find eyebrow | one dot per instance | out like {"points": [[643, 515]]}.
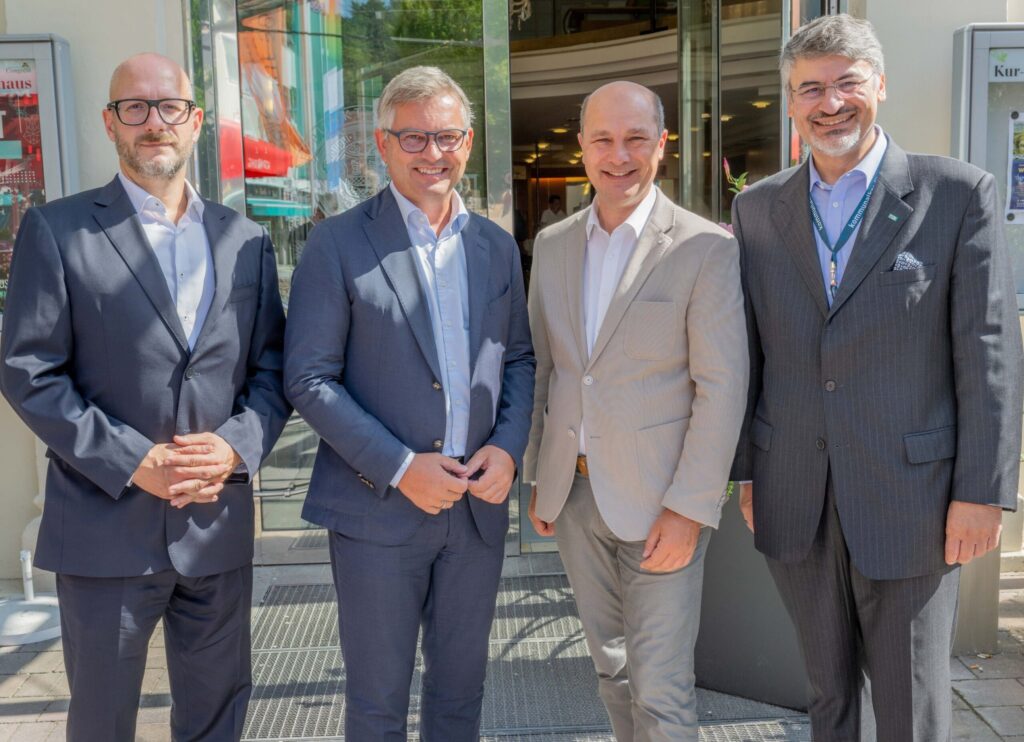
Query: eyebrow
{"points": [[813, 83], [629, 132]]}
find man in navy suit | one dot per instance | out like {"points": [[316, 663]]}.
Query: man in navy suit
{"points": [[408, 351], [142, 343]]}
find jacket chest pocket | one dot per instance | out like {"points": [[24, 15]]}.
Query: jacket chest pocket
{"points": [[651, 330]]}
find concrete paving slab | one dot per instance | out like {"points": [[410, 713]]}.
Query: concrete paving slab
{"points": [[958, 669], [22, 711], [1002, 665], [969, 727], [38, 732], [999, 692], [9, 684], [47, 685], [1005, 720]]}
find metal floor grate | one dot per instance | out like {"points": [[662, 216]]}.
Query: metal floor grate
{"points": [[540, 683], [311, 539]]}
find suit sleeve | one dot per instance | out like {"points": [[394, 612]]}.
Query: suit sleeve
{"points": [[987, 357], [715, 328], [512, 427], [261, 410], [743, 463], [316, 337], [542, 351], [37, 349]]}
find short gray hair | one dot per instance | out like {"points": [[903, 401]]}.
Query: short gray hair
{"points": [[659, 109], [833, 35], [418, 84]]}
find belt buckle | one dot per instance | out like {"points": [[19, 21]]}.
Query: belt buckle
{"points": [[581, 466]]}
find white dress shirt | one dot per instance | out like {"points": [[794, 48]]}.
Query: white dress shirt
{"points": [[183, 251], [603, 265], [441, 264]]}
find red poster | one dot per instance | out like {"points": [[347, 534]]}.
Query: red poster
{"points": [[21, 156]]}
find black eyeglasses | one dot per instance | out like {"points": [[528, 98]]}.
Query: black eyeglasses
{"points": [[416, 140], [135, 111]]}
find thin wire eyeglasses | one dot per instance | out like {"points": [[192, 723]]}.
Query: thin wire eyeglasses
{"points": [[843, 88], [135, 111], [414, 141]]}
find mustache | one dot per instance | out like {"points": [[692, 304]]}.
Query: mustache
{"points": [[154, 139], [841, 112]]}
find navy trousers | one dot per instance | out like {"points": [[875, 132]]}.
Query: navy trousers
{"points": [[446, 580], [107, 623]]}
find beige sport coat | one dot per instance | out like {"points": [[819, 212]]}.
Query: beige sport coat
{"points": [[664, 390]]}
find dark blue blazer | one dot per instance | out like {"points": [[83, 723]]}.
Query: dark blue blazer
{"points": [[94, 360], [362, 369]]}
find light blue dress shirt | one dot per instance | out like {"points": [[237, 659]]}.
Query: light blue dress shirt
{"points": [[836, 204], [444, 280]]}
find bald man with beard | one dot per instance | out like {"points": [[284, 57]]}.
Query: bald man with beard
{"points": [[142, 343]]}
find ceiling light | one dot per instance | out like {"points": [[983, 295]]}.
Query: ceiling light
{"points": [[558, 130], [574, 161], [578, 153], [760, 104], [676, 155], [707, 154], [543, 145], [705, 115], [673, 137], [727, 117]]}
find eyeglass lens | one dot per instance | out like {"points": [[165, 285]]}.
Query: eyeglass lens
{"points": [[135, 111], [412, 141]]}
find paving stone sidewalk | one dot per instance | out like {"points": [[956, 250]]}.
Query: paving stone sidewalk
{"points": [[988, 692]]}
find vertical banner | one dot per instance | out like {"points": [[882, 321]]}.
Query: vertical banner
{"points": [[21, 156], [1015, 169]]}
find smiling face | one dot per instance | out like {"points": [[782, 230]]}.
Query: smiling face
{"points": [[152, 150], [622, 148], [426, 178], [835, 127]]}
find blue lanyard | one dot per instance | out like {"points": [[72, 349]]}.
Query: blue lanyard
{"points": [[844, 236]]}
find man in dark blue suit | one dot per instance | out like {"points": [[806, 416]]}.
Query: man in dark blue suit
{"points": [[142, 343], [408, 350]]}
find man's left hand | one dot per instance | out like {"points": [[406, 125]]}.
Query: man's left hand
{"points": [[498, 472], [202, 459], [671, 543], [972, 530]]}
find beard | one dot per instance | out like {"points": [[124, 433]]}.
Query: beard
{"points": [[837, 145], [163, 168]]}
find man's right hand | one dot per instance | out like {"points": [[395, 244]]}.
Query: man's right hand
{"points": [[542, 527], [747, 504], [434, 482], [156, 476]]}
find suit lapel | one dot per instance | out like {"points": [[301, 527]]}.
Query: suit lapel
{"points": [[389, 239], [574, 253], [648, 251], [886, 214], [224, 258], [792, 217], [478, 267], [121, 224]]}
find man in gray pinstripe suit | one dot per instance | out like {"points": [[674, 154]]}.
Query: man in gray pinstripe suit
{"points": [[883, 425]]}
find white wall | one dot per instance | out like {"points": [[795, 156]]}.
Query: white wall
{"points": [[917, 37]]}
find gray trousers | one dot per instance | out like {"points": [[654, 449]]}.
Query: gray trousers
{"points": [[107, 623], [640, 626], [897, 633]]}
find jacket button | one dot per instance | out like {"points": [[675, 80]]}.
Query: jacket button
{"points": [[190, 372], [830, 386], [572, 434], [820, 443], [438, 445], [588, 380], [437, 386]]}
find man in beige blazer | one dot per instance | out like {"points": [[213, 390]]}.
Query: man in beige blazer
{"points": [[638, 328]]}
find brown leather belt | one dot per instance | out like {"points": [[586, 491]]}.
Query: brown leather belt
{"points": [[581, 466]]}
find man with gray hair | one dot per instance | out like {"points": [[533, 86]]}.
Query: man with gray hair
{"points": [[408, 351], [883, 424]]}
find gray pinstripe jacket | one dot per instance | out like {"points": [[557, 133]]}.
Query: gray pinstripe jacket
{"points": [[908, 388]]}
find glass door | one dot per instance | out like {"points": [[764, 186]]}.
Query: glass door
{"points": [[290, 88]]}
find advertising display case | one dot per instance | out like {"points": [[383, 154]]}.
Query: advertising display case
{"points": [[38, 161]]}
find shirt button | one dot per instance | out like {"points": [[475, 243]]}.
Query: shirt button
{"points": [[588, 380], [835, 204], [437, 386], [820, 443], [438, 444], [830, 386]]}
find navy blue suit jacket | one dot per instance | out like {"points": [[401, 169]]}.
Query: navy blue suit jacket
{"points": [[362, 369]]}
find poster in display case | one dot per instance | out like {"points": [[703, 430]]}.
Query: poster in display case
{"points": [[37, 145]]}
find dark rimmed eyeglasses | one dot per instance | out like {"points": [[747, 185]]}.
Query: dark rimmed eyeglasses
{"points": [[416, 140], [135, 111], [843, 88]]}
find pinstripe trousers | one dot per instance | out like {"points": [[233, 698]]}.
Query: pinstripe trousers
{"points": [[897, 634]]}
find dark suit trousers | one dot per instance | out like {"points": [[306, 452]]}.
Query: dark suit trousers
{"points": [[107, 623], [445, 578], [897, 633]]}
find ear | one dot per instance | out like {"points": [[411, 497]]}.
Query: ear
{"points": [[109, 117], [881, 87], [379, 135], [197, 123]]}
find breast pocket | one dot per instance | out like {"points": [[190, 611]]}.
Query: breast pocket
{"points": [[651, 330], [913, 275]]}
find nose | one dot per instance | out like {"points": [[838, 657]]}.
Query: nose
{"points": [[832, 101], [153, 120]]}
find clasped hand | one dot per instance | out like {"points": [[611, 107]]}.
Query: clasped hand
{"points": [[434, 482], [192, 468]]}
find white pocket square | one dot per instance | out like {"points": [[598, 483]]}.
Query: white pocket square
{"points": [[905, 261]]}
